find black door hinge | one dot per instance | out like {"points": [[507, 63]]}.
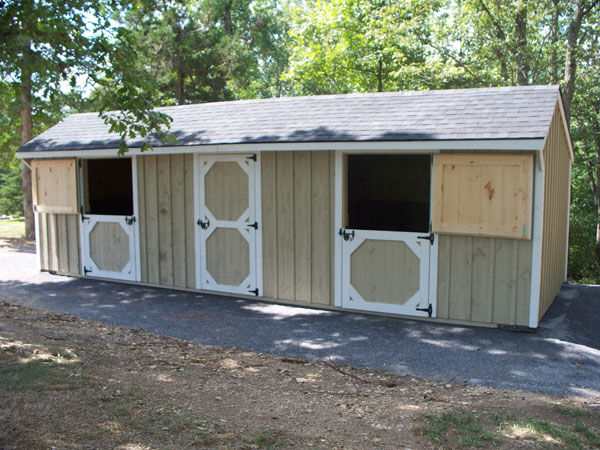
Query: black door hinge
{"points": [[254, 291], [86, 270], [253, 225], [252, 157], [347, 235], [428, 310], [430, 237]]}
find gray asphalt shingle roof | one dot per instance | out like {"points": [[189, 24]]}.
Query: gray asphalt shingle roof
{"points": [[522, 112]]}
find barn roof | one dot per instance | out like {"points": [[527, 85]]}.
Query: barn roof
{"points": [[522, 112]]}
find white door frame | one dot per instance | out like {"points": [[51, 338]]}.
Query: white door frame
{"points": [[338, 239], [255, 193], [134, 236]]}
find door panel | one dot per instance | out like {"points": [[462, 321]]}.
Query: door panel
{"points": [[108, 246], [227, 224], [385, 271]]}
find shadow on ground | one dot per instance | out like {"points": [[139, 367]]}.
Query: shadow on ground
{"points": [[561, 358]]}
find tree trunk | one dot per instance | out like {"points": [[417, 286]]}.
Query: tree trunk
{"points": [[380, 75], [571, 60], [26, 135], [180, 81], [227, 22], [521, 50]]}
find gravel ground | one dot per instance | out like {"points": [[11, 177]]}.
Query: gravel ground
{"points": [[561, 358]]}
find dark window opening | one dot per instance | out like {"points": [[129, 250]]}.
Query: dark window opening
{"points": [[389, 192], [108, 187]]}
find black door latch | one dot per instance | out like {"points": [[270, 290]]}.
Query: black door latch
{"points": [[430, 237], [428, 310], [130, 220], [203, 225]]}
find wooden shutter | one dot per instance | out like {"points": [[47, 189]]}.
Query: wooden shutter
{"points": [[54, 185], [483, 194]]}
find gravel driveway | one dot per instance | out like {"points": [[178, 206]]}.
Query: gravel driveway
{"points": [[561, 358]]}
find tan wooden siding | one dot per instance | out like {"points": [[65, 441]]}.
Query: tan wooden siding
{"points": [[484, 279], [166, 217], [297, 212], [483, 195], [59, 243], [556, 210], [54, 185]]}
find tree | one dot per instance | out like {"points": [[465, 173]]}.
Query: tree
{"points": [[359, 46], [44, 44]]}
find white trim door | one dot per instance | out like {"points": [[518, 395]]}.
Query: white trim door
{"points": [[109, 246], [387, 272], [227, 224]]}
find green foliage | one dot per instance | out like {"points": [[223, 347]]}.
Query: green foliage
{"points": [[11, 191], [345, 46], [452, 430]]}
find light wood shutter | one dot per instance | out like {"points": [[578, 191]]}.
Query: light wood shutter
{"points": [[483, 195], [54, 185]]}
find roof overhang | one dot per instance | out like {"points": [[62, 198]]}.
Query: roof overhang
{"points": [[354, 146]]}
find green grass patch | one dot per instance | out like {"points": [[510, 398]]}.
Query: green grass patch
{"points": [[11, 229], [453, 430], [35, 376], [571, 412], [265, 439], [450, 429]]}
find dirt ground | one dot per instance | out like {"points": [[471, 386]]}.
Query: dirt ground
{"points": [[71, 383]]}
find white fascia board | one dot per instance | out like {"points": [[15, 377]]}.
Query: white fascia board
{"points": [[362, 146]]}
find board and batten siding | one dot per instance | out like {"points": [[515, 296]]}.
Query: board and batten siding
{"points": [[297, 212], [58, 244], [556, 210], [483, 279], [166, 219]]}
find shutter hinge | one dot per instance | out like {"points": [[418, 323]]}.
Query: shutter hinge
{"points": [[252, 157], [254, 291], [430, 237], [86, 270], [130, 220], [253, 225]]}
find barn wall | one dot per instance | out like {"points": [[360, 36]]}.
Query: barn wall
{"points": [[58, 244], [297, 211], [556, 210], [484, 279], [166, 219]]}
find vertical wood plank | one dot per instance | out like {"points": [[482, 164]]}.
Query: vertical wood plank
{"points": [[190, 242], [269, 223], [332, 230], [320, 232], [302, 226], [74, 243], [481, 308], [460, 282], [178, 219], [151, 195], [444, 269], [43, 224], [285, 226], [165, 237], [142, 219], [63, 243], [53, 236], [523, 283], [503, 282]]}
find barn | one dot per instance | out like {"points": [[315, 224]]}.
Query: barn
{"points": [[448, 205]]}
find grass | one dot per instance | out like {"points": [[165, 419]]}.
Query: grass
{"points": [[35, 376], [12, 228], [450, 429], [453, 430]]}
